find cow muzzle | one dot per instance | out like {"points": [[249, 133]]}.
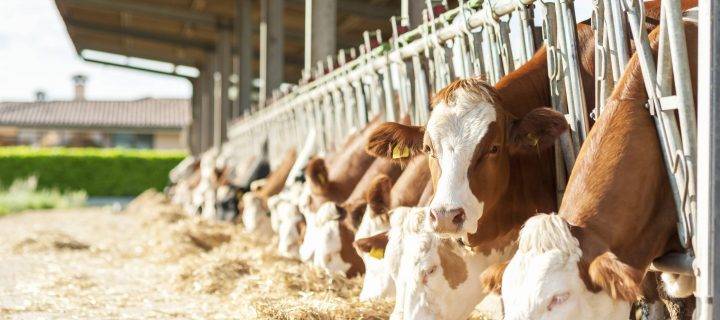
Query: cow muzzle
{"points": [[444, 220]]}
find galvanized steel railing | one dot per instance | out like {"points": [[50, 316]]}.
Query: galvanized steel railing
{"points": [[396, 78]]}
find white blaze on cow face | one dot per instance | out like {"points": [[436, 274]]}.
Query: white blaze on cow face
{"points": [[453, 133], [328, 243], [378, 282], [307, 248], [542, 280], [289, 228], [255, 216]]}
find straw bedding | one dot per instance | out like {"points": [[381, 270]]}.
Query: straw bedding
{"points": [[153, 262], [216, 258]]}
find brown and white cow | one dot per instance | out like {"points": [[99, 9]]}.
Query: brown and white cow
{"points": [[335, 237], [490, 148], [381, 197], [617, 216], [436, 278], [333, 184], [256, 214]]}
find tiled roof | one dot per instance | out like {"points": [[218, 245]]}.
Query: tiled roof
{"points": [[137, 114]]}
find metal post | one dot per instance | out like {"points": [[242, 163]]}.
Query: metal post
{"points": [[243, 20], [194, 133], [707, 262], [320, 30], [206, 86], [271, 47], [224, 66]]}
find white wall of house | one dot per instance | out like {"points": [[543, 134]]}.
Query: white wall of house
{"points": [[168, 140]]}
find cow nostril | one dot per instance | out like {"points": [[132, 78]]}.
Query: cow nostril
{"points": [[459, 217], [433, 216]]}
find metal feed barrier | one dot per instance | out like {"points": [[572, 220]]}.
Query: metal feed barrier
{"points": [[396, 78]]}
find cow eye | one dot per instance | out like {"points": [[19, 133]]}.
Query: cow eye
{"points": [[557, 300], [429, 151], [494, 149]]}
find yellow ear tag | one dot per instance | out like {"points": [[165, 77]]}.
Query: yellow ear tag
{"points": [[377, 253], [400, 152], [534, 139]]}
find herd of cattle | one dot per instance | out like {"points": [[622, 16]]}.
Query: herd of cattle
{"points": [[439, 216]]}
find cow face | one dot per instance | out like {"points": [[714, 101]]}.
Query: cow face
{"points": [[435, 277], [291, 229], [470, 141], [255, 215], [371, 240], [328, 244], [543, 280]]}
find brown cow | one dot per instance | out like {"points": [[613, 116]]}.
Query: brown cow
{"points": [[617, 216]]}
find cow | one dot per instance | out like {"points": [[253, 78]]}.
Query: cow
{"points": [[617, 216], [287, 221], [381, 197], [332, 184], [490, 149], [436, 278], [256, 214], [334, 237]]}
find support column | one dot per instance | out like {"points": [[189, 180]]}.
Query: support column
{"points": [[243, 68], [271, 47], [413, 10], [707, 258], [222, 81], [320, 31], [207, 97], [194, 132]]}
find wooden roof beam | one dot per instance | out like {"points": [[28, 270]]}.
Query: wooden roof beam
{"points": [[173, 13]]}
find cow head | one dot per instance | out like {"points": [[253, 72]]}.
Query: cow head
{"points": [[319, 185], [256, 214], [548, 278], [435, 277], [371, 239], [333, 242], [291, 230], [470, 141]]}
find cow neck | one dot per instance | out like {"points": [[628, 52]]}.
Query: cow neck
{"points": [[527, 87], [531, 190], [348, 252], [631, 215]]}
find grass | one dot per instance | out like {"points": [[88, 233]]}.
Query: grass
{"points": [[23, 195]]}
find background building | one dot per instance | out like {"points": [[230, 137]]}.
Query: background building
{"points": [[139, 124]]}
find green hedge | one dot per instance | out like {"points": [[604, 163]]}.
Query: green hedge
{"points": [[100, 172]]}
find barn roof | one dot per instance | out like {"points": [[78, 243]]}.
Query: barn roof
{"points": [[183, 32], [143, 114]]}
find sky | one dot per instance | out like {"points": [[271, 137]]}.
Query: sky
{"points": [[36, 54]]}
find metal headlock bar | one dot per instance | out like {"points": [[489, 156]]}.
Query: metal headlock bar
{"points": [[394, 79]]}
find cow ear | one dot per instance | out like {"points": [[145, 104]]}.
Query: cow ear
{"points": [[620, 280], [395, 141], [317, 173], [537, 130], [376, 243], [491, 278], [378, 195]]}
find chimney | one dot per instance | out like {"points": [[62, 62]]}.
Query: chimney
{"points": [[40, 96], [79, 81]]}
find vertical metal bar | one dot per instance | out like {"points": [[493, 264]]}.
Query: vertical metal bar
{"points": [[243, 22], [707, 260], [271, 47]]}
